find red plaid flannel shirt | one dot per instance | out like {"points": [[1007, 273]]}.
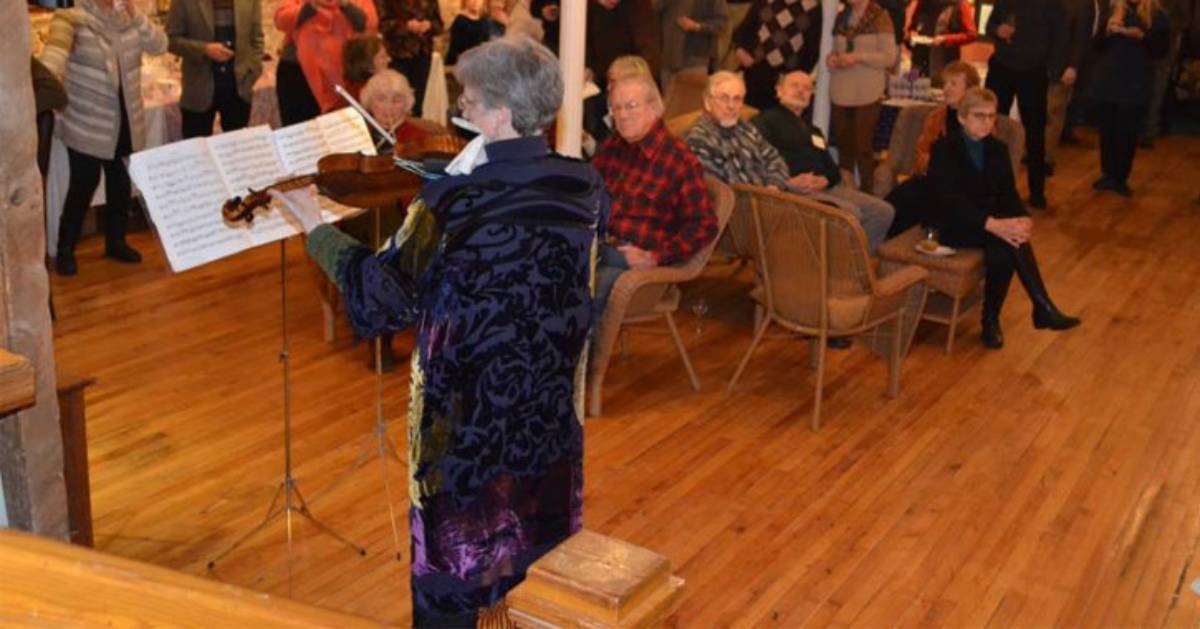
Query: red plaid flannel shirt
{"points": [[659, 201]]}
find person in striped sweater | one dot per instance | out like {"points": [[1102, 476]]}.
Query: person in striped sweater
{"points": [[96, 49]]}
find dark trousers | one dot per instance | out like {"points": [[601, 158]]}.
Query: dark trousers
{"points": [[1030, 87], [1119, 126], [235, 112], [999, 263], [853, 131], [296, 100], [45, 132], [913, 199], [594, 110], [85, 177], [416, 70]]}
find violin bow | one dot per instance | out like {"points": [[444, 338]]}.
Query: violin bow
{"points": [[362, 111]]}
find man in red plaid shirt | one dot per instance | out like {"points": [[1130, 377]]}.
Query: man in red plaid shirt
{"points": [[661, 213]]}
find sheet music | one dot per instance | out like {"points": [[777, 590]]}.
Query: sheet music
{"points": [[247, 158], [184, 191], [300, 146], [345, 131], [332, 212], [186, 183]]}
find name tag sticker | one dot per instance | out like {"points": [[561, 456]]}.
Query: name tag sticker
{"points": [[818, 141]]}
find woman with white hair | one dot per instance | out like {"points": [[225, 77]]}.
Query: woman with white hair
{"points": [[389, 98], [493, 266]]}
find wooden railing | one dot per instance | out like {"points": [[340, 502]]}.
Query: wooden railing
{"points": [[47, 583]]}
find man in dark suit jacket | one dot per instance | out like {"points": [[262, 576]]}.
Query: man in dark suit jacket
{"points": [[1031, 50], [978, 206], [221, 44]]}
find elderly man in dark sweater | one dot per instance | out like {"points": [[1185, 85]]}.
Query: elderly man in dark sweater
{"points": [[813, 171], [1031, 50]]}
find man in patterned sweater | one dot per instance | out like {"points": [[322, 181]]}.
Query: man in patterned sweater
{"points": [[737, 151], [661, 213]]}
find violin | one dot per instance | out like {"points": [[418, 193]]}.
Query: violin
{"points": [[354, 179]]}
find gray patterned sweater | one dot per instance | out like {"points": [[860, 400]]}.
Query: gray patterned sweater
{"points": [[739, 154]]}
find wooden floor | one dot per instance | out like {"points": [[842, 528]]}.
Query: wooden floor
{"points": [[1053, 483]]}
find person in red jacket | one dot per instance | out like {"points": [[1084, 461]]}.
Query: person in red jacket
{"points": [[937, 31]]}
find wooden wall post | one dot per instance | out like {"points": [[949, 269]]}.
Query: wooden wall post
{"points": [[30, 441]]}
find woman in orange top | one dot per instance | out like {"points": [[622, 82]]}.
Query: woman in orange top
{"points": [[311, 62]]}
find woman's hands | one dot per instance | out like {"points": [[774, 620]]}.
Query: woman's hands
{"points": [[744, 58], [418, 27], [688, 25], [1015, 231], [837, 60], [302, 205], [1117, 27]]}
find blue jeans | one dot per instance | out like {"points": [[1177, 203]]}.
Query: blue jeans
{"points": [[610, 264]]}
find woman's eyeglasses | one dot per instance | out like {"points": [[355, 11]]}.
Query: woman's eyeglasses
{"points": [[465, 103]]}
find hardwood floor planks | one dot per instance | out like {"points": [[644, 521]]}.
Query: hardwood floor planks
{"points": [[998, 489]]}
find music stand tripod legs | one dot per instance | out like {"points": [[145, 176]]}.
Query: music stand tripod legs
{"points": [[287, 498]]}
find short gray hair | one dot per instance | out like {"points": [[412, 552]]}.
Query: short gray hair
{"points": [[386, 82], [722, 77], [976, 97], [649, 89], [518, 73]]}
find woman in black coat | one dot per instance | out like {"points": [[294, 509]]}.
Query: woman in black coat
{"points": [[1136, 33], [978, 206]]}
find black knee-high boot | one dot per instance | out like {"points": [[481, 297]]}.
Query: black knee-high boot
{"points": [[998, 272], [1045, 314]]}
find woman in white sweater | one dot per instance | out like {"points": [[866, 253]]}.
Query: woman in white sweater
{"points": [[864, 49], [96, 49]]}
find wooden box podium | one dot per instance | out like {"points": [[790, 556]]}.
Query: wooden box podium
{"points": [[595, 581]]}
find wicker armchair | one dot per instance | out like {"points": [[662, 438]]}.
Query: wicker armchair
{"points": [[902, 147], [955, 279], [816, 279], [643, 295]]}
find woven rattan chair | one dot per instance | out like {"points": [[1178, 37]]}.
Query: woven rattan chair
{"points": [[642, 295], [956, 280], [815, 278], [901, 155]]}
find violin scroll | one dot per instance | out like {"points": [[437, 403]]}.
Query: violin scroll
{"points": [[242, 209]]}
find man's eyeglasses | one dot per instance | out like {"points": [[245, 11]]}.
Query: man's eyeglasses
{"points": [[729, 99], [628, 107], [982, 115]]}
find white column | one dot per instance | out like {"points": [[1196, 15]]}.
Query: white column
{"points": [[821, 104], [572, 36]]}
